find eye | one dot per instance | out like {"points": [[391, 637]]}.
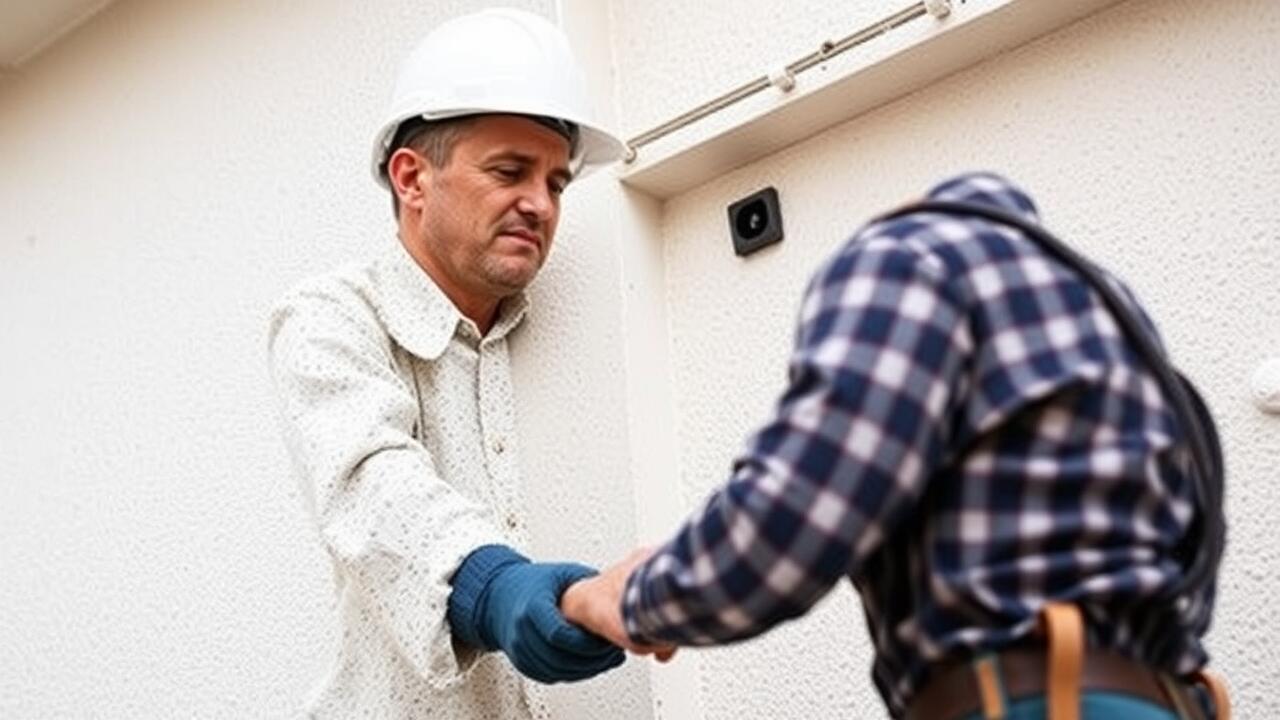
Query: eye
{"points": [[509, 173]]}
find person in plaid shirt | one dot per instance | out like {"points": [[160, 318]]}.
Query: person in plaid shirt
{"points": [[965, 436]]}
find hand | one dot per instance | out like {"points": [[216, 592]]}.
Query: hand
{"points": [[596, 604], [501, 601], [526, 623]]}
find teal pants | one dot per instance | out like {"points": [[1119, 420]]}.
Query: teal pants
{"points": [[1093, 706]]}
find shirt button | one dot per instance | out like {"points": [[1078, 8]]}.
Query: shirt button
{"points": [[497, 445]]}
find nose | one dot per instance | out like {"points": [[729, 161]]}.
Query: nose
{"points": [[537, 202]]}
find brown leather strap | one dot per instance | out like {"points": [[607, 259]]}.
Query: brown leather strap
{"points": [[1180, 701], [1217, 692], [1064, 629], [953, 690], [987, 673]]}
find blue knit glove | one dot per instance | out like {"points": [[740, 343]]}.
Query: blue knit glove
{"points": [[501, 601]]}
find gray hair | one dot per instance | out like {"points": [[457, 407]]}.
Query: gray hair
{"points": [[432, 139]]}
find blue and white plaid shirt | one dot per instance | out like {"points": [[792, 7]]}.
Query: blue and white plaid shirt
{"points": [[965, 435]]}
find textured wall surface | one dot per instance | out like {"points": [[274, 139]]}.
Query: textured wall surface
{"points": [[568, 373], [167, 172], [673, 55], [170, 168], [1148, 135]]}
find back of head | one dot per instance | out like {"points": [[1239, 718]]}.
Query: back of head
{"points": [[495, 61]]}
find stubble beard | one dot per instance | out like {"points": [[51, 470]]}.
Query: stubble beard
{"points": [[509, 274]]}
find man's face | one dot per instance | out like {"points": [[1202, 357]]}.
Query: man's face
{"points": [[490, 213]]}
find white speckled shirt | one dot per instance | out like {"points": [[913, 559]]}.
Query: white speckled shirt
{"points": [[400, 422]]}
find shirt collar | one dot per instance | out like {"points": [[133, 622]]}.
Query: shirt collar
{"points": [[420, 317], [984, 188]]}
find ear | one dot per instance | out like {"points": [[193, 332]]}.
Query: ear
{"points": [[404, 170]]}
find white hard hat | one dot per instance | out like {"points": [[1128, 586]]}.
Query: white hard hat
{"points": [[498, 60]]}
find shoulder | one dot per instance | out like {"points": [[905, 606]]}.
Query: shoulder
{"points": [[335, 304], [877, 267]]}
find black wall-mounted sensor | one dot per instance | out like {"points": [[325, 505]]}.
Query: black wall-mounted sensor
{"points": [[755, 221]]}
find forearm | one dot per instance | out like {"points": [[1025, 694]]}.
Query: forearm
{"points": [[398, 536], [837, 469], [748, 561], [395, 529]]}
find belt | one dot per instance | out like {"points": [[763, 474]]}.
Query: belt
{"points": [[953, 691]]}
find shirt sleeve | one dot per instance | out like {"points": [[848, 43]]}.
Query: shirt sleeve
{"points": [[879, 349], [394, 529]]}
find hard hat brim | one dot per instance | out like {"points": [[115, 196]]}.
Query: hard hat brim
{"points": [[597, 146]]}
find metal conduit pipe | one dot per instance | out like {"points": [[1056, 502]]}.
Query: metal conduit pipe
{"points": [[784, 78]]}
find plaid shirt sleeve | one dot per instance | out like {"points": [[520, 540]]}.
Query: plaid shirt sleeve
{"points": [[879, 350]]}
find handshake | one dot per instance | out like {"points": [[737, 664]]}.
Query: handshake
{"points": [[556, 622], [595, 603]]}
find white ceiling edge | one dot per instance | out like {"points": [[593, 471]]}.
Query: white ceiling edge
{"points": [[28, 27], [886, 68]]}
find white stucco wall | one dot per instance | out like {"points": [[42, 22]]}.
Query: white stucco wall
{"points": [[673, 55], [171, 167], [1147, 133], [165, 173]]}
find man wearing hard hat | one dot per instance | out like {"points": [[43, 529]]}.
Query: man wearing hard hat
{"points": [[393, 379]]}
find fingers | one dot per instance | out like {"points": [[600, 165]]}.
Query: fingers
{"points": [[574, 639], [566, 574], [661, 653], [595, 604], [538, 660], [593, 601], [557, 651], [589, 638], [575, 602], [561, 666], [551, 626]]}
